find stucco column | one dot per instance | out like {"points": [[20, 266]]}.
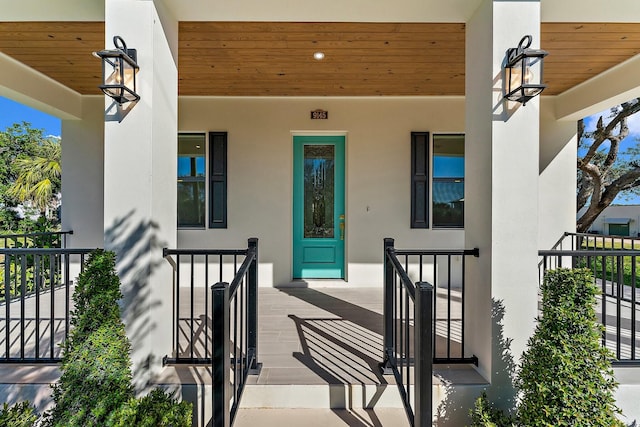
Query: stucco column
{"points": [[140, 180], [501, 195], [83, 175], [558, 174]]}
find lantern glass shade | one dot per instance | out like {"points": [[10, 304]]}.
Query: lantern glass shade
{"points": [[523, 72], [119, 75]]}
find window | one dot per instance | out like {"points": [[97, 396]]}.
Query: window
{"points": [[192, 180], [447, 180], [447, 185]]}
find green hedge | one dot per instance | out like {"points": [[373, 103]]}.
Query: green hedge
{"points": [[95, 388], [156, 409], [565, 377], [96, 372], [19, 415]]}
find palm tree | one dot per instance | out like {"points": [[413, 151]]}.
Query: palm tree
{"points": [[38, 179]]}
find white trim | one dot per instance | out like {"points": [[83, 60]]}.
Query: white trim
{"points": [[30, 87], [618, 84]]}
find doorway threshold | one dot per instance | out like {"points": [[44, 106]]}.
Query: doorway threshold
{"points": [[314, 283]]}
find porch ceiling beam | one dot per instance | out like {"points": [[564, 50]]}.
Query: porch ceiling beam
{"points": [[30, 87], [45, 10], [589, 11], [618, 84]]}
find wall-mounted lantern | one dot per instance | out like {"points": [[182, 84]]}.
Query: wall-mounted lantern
{"points": [[523, 71], [119, 69]]}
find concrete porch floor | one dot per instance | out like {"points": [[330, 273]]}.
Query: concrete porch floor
{"points": [[320, 349], [327, 336]]}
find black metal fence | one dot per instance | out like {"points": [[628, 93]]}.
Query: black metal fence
{"points": [[235, 337], [36, 290], [55, 239], [218, 329], [589, 241], [615, 271], [423, 323], [194, 270]]}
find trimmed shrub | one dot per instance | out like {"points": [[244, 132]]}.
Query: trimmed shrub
{"points": [[566, 377], [96, 372], [95, 389], [156, 409], [96, 296], [19, 415], [485, 415]]}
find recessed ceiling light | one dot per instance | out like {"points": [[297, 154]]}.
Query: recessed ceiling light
{"points": [[198, 147], [318, 56]]}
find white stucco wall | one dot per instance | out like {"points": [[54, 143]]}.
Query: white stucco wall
{"points": [[378, 167], [83, 175], [557, 185]]}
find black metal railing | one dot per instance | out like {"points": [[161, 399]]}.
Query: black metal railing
{"points": [[445, 269], [615, 271], [36, 299], [193, 271], [54, 239], [235, 337], [590, 241], [422, 322]]}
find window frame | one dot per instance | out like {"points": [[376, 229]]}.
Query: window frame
{"points": [[433, 179], [422, 180], [215, 179], [202, 179]]}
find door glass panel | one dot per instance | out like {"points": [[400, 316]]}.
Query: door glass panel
{"points": [[319, 163]]}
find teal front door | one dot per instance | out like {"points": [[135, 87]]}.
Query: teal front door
{"points": [[318, 207]]}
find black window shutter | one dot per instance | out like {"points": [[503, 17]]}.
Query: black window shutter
{"points": [[218, 180], [419, 179]]}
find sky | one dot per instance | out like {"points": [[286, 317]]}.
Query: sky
{"points": [[13, 112]]}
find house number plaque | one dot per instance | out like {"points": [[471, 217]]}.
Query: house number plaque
{"points": [[319, 115]]}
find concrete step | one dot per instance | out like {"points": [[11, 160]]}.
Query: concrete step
{"points": [[387, 417], [327, 396]]}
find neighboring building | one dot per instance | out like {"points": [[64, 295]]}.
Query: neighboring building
{"points": [[617, 220], [419, 144]]}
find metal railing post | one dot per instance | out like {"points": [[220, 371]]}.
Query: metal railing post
{"points": [[221, 363], [423, 339], [252, 310], [7, 302], [388, 348]]}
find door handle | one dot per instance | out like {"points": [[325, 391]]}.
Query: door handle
{"points": [[342, 227]]}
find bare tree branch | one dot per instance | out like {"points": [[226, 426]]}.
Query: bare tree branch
{"points": [[600, 183], [585, 189]]}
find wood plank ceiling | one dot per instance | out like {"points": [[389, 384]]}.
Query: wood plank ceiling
{"points": [[276, 58], [360, 59], [61, 50]]}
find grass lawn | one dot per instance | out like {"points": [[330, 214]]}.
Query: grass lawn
{"points": [[611, 268]]}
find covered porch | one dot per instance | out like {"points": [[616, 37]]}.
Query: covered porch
{"points": [[242, 78]]}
